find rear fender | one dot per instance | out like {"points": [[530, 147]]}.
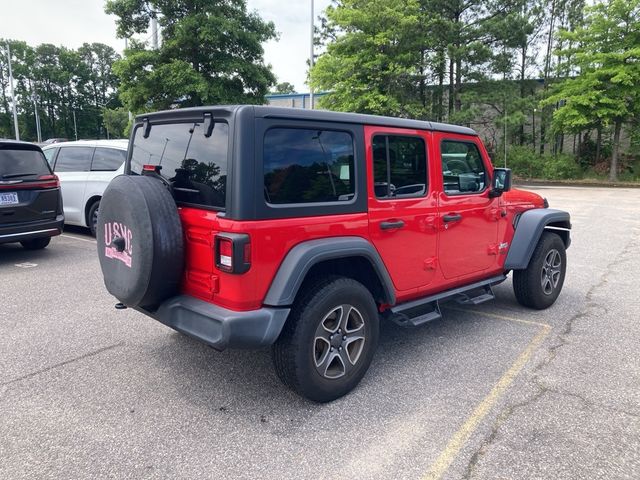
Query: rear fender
{"points": [[529, 228], [304, 256]]}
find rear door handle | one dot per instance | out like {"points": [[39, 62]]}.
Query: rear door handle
{"points": [[452, 217], [390, 225]]}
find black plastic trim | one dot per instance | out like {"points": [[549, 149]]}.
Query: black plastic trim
{"points": [[29, 230], [238, 240], [529, 228], [448, 294], [302, 257], [220, 327]]}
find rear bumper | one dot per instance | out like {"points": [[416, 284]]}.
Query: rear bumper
{"points": [[219, 327], [30, 230]]}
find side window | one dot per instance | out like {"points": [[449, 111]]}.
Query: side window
{"points": [[50, 154], [463, 170], [399, 166], [308, 166], [74, 159], [107, 159]]}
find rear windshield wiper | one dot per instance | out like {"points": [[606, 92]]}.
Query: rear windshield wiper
{"points": [[14, 175]]}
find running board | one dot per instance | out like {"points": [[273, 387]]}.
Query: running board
{"points": [[427, 309], [482, 295]]}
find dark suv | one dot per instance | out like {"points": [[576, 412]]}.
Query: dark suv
{"points": [[251, 226], [30, 200]]}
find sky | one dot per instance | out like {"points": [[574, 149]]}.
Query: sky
{"points": [[74, 22]]}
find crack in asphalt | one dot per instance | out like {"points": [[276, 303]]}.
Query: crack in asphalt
{"points": [[61, 364], [552, 351]]}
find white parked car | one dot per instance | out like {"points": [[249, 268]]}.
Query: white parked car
{"points": [[85, 168]]}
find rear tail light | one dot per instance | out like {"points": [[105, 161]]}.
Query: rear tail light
{"points": [[43, 181], [233, 252], [48, 181]]}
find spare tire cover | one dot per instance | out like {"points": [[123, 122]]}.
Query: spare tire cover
{"points": [[140, 242]]}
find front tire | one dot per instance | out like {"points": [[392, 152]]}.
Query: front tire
{"points": [[539, 285], [36, 243], [329, 339]]}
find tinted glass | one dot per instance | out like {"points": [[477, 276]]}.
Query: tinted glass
{"points": [[22, 163], [108, 159], [462, 168], [74, 159], [195, 165], [50, 154], [399, 166], [308, 166]]}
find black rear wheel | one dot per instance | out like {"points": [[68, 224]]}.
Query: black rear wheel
{"points": [[329, 339], [539, 285], [92, 217], [36, 243]]}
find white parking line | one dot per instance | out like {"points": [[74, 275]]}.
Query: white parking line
{"points": [[77, 238]]}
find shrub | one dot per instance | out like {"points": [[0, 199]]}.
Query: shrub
{"points": [[561, 166], [524, 162], [527, 163]]}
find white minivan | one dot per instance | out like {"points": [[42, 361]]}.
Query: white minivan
{"points": [[85, 168]]}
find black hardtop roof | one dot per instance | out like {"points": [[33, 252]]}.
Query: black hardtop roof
{"points": [[18, 144], [262, 111]]}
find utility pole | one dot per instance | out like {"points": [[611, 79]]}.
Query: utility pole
{"points": [[75, 126], [13, 98], [35, 109], [311, 106], [154, 32]]}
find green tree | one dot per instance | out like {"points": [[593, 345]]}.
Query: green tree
{"points": [[370, 66], [606, 52], [211, 53], [284, 87], [58, 82], [116, 121]]}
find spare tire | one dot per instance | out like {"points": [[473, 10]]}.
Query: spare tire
{"points": [[140, 242]]}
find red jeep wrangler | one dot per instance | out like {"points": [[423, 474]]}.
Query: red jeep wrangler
{"points": [[248, 226]]}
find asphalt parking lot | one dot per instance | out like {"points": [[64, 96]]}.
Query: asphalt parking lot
{"points": [[492, 392]]}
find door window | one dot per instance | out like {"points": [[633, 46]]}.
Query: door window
{"points": [[399, 166], [463, 170], [50, 154], [107, 159], [74, 159]]}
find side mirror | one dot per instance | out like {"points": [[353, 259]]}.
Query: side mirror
{"points": [[501, 182]]}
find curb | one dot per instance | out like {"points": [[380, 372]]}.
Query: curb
{"points": [[569, 183]]}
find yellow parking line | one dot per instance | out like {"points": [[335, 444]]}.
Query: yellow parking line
{"points": [[77, 238], [500, 317], [448, 455]]}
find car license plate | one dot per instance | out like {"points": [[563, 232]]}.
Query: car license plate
{"points": [[10, 198]]}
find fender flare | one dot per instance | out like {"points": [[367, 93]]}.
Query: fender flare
{"points": [[304, 256], [529, 228]]}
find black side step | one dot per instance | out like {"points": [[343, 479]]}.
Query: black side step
{"points": [[427, 309], [416, 316], [481, 295]]}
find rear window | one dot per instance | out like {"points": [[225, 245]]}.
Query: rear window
{"points": [[107, 159], [196, 165], [308, 166], [17, 163]]}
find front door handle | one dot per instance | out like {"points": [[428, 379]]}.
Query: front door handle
{"points": [[391, 224], [452, 217]]}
